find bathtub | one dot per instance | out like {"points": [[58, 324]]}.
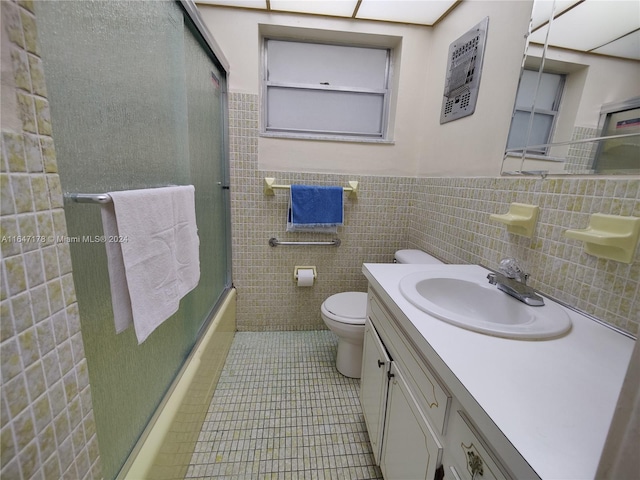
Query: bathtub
{"points": [[165, 447]]}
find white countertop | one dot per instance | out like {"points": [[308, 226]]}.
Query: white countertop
{"points": [[552, 399]]}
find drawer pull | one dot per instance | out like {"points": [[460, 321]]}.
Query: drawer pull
{"points": [[380, 363], [475, 464]]}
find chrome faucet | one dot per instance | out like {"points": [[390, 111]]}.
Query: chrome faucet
{"points": [[513, 281]]}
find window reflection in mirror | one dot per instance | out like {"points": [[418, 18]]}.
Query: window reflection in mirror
{"points": [[546, 97], [595, 46], [621, 154]]}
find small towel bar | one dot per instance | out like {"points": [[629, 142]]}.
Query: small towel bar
{"points": [[270, 186], [274, 242]]}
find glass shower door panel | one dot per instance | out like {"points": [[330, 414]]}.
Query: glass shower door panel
{"points": [[133, 106], [205, 87]]}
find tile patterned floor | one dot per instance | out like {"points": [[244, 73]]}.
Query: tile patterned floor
{"points": [[282, 411]]}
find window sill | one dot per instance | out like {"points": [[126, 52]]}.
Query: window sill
{"points": [[532, 156], [326, 138]]}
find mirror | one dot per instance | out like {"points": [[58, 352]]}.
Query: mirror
{"points": [[580, 82]]}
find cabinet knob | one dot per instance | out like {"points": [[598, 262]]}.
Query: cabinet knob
{"points": [[380, 363]]}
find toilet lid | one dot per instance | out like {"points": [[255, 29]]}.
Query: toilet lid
{"points": [[415, 256], [348, 305]]}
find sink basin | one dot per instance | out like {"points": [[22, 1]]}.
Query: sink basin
{"points": [[481, 307]]}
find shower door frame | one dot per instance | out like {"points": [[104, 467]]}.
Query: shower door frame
{"points": [[217, 56]]}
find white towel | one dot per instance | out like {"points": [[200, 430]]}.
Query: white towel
{"points": [[153, 254]]}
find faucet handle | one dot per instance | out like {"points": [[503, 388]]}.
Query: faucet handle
{"points": [[510, 268]]}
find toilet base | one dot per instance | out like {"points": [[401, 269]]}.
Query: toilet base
{"points": [[349, 358]]}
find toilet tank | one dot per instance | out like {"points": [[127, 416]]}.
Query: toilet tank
{"points": [[415, 256]]}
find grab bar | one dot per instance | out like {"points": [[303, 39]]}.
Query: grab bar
{"points": [[274, 242]]}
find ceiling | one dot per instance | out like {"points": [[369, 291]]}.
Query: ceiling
{"points": [[419, 12], [608, 27]]}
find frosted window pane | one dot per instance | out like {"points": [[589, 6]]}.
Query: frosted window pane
{"points": [[549, 85], [547, 93], [324, 111], [540, 133], [315, 64], [527, 89]]}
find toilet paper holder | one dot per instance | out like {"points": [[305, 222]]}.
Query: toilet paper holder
{"points": [[301, 267]]}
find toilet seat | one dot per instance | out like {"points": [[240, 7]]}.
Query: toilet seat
{"points": [[346, 307]]}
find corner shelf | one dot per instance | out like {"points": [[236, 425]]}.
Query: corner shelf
{"points": [[613, 237], [521, 219]]}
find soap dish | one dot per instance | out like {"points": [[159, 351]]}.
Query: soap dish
{"points": [[613, 237], [520, 219]]}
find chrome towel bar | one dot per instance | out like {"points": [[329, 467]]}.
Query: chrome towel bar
{"points": [[274, 242], [101, 198]]}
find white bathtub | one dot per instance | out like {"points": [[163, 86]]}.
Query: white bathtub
{"points": [[166, 445]]}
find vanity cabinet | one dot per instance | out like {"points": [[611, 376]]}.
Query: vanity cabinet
{"points": [[506, 408], [410, 447], [467, 455], [418, 430], [374, 382]]}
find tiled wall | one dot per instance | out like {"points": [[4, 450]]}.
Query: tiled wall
{"points": [[451, 220], [446, 217], [47, 424], [268, 298], [580, 155]]}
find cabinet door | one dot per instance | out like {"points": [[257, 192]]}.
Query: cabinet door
{"points": [[468, 456], [373, 386], [411, 450]]}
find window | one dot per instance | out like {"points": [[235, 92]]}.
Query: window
{"points": [[547, 103], [315, 90]]}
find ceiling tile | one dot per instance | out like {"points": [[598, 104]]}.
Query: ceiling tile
{"points": [[260, 4], [542, 10], [420, 12], [626, 47], [592, 24], [338, 8]]}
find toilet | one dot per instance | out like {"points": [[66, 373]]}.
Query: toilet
{"points": [[345, 314]]}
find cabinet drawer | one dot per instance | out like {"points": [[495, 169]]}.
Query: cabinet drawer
{"points": [[432, 397], [467, 453]]}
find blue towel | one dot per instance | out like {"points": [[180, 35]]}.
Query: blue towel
{"points": [[315, 209]]}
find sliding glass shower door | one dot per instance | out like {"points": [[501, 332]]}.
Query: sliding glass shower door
{"points": [[137, 101]]}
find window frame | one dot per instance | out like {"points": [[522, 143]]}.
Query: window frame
{"points": [[554, 113], [291, 132]]}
